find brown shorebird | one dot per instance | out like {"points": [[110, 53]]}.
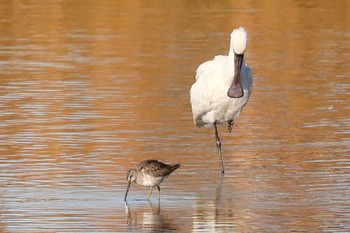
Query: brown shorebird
{"points": [[149, 173]]}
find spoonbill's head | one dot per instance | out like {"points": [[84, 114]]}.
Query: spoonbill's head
{"points": [[239, 40], [238, 45]]}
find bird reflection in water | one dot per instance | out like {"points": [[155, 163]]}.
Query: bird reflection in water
{"points": [[148, 218]]}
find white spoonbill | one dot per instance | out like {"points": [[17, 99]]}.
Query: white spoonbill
{"points": [[222, 88]]}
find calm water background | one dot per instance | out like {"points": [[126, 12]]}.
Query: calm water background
{"points": [[89, 89]]}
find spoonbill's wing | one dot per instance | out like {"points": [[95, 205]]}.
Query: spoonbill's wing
{"points": [[202, 90]]}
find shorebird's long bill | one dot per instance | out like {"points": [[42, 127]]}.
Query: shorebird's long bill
{"points": [[236, 90], [127, 190]]}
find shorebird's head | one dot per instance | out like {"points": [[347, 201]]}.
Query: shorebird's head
{"points": [[131, 175]]}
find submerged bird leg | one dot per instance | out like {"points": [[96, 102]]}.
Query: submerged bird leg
{"points": [[158, 192], [218, 146], [150, 192], [230, 125]]}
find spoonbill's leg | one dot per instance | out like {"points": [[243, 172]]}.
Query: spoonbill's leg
{"points": [[218, 146], [230, 125]]}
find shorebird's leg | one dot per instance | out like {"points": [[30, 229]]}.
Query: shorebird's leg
{"points": [[150, 192], [158, 192], [218, 146]]}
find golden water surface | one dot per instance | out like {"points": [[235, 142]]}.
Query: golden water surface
{"points": [[90, 88]]}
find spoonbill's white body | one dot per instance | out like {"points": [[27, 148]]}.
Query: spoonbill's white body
{"points": [[222, 88]]}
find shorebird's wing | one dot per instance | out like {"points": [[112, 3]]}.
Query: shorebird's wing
{"points": [[156, 168]]}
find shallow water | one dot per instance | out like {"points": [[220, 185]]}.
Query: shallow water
{"points": [[89, 90]]}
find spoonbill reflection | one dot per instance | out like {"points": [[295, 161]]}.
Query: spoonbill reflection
{"points": [[222, 88]]}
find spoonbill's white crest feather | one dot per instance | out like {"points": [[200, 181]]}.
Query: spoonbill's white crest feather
{"points": [[239, 40]]}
